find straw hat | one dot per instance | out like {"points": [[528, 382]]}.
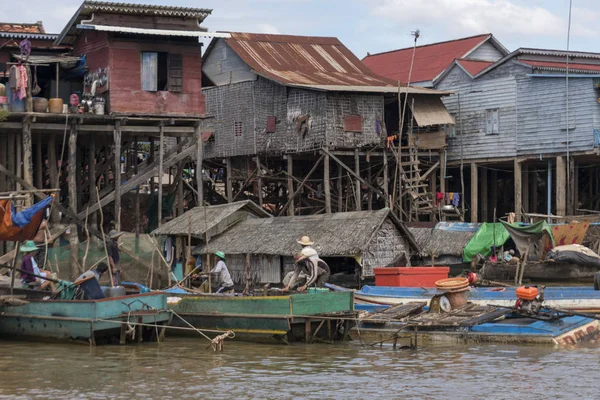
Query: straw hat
{"points": [[28, 246], [220, 254], [305, 241], [113, 234]]}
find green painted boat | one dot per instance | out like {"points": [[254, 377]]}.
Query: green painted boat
{"points": [[95, 321], [289, 317]]}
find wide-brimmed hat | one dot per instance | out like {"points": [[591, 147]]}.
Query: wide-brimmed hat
{"points": [[28, 246], [113, 234], [220, 254], [305, 241]]}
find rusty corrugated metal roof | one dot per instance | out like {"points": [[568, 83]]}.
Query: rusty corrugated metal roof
{"points": [[473, 67], [304, 60], [9, 27]]}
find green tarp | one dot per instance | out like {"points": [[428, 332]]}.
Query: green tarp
{"points": [[532, 234], [483, 240]]}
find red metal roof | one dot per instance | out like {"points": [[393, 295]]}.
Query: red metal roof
{"points": [[551, 65], [22, 28], [303, 60], [430, 60], [474, 67]]}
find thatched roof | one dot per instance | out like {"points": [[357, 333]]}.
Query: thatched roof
{"points": [[215, 220], [339, 234], [441, 242]]}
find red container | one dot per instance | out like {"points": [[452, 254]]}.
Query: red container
{"points": [[410, 276]]}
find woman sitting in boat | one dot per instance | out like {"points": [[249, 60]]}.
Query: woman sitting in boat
{"points": [[33, 276], [309, 263], [223, 278]]}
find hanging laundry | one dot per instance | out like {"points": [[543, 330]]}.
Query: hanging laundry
{"points": [[438, 196], [456, 199], [13, 78], [451, 196], [22, 88]]}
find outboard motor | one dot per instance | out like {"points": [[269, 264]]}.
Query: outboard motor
{"points": [[529, 299]]}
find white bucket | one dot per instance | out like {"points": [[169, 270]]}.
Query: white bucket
{"points": [[99, 108]]}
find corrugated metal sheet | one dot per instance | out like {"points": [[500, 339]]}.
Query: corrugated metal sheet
{"points": [[36, 36], [9, 27], [129, 8], [430, 60], [371, 89], [153, 32], [562, 66], [474, 67], [304, 60], [429, 110]]}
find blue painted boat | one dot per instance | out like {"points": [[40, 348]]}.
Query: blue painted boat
{"points": [[564, 332], [139, 318], [574, 298]]}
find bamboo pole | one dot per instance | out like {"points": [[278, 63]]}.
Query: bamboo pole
{"points": [[72, 184], [104, 238], [14, 266], [117, 173], [247, 288], [161, 153]]}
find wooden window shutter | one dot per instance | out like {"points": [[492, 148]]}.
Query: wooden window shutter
{"points": [[353, 123], [271, 124], [149, 71], [175, 73]]}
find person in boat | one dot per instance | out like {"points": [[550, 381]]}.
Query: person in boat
{"points": [[96, 273], [112, 247], [223, 278], [309, 263], [33, 275], [40, 242]]}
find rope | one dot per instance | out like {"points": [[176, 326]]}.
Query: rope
{"points": [[180, 328], [217, 342]]}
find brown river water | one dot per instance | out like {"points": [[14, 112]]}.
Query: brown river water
{"points": [[181, 368]]}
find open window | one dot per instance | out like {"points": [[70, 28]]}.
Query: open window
{"points": [[162, 71]]}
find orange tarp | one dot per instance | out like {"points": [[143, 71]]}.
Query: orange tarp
{"points": [[11, 233], [569, 233]]}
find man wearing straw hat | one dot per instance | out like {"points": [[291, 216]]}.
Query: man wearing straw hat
{"points": [[112, 247]]}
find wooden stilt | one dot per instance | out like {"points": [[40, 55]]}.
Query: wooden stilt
{"points": [[117, 174], [525, 188], [533, 193], [27, 155], [52, 163], [340, 188], [571, 206], [370, 192], [229, 180], [19, 157], [561, 186], [326, 182], [3, 159], [518, 176], [199, 162], [92, 178], [72, 184], [39, 163], [259, 182], [494, 188], [483, 200], [474, 197], [137, 188], [357, 181], [180, 198], [152, 151], [290, 183], [575, 187], [161, 152], [11, 159], [386, 178]]}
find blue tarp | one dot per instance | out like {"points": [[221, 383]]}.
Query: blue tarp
{"points": [[23, 218]]}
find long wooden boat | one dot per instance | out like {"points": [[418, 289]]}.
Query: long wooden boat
{"points": [[574, 298], [471, 324], [291, 317], [95, 321], [542, 271]]}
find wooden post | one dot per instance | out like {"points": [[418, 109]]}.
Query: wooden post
{"points": [[52, 163], [117, 173], [259, 182], [518, 176], [10, 159], [199, 162], [340, 188], [561, 186], [247, 288], [229, 180], [326, 181], [484, 195], [137, 190], [3, 149], [27, 155], [494, 188], [357, 182], [161, 153], [533, 193], [474, 197], [370, 180], [29, 98], [575, 187], [152, 151], [19, 157], [443, 170], [290, 183], [72, 184], [386, 192], [525, 188], [92, 177], [571, 203], [39, 163]]}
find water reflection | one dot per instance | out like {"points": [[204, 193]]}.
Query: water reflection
{"points": [[183, 368]]}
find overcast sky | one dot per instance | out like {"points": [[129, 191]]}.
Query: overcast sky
{"points": [[375, 25]]}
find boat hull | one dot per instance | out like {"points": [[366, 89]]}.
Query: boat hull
{"points": [[85, 320], [252, 316], [542, 271]]}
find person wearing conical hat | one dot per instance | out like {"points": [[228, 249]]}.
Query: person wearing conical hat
{"points": [[223, 278], [33, 275]]}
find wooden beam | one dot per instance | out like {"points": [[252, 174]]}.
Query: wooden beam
{"points": [[340, 189], [430, 170], [92, 177], [161, 172], [39, 163], [313, 169], [518, 176], [180, 197], [52, 163], [442, 171], [19, 156], [259, 182], [326, 181], [3, 150], [137, 188], [494, 189], [370, 193], [117, 174], [561, 186], [483, 200], [357, 181], [290, 183], [474, 198], [386, 182], [72, 179], [229, 180], [525, 187], [199, 161]]}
